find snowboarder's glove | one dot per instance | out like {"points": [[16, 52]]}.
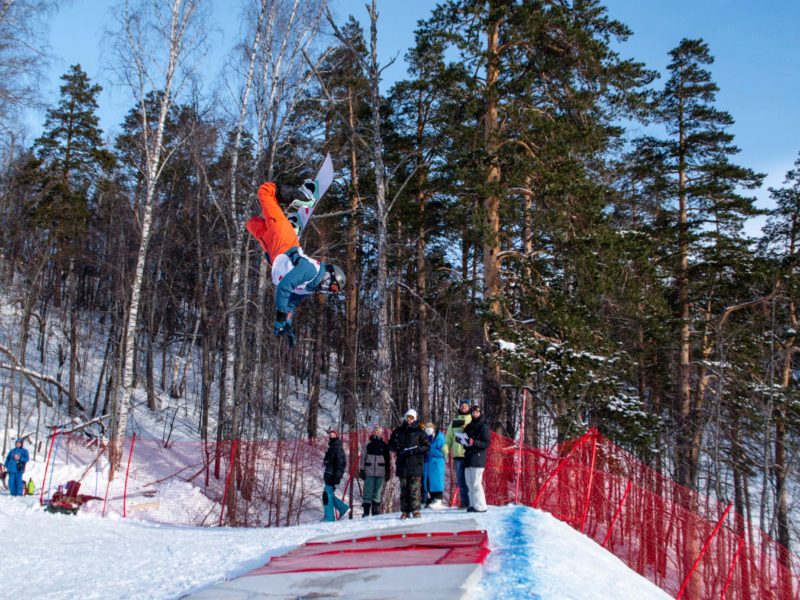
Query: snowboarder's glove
{"points": [[282, 327], [284, 194]]}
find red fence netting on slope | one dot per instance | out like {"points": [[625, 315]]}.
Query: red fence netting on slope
{"points": [[687, 544]]}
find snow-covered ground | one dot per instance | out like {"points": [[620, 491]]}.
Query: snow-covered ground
{"points": [[84, 556]]}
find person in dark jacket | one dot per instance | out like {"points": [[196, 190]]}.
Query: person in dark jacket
{"points": [[15, 465], [375, 471], [410, 443], [335, 463], [456, 450], [475, 439]]}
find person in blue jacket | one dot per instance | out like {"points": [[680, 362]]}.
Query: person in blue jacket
{"points": [[15, 465], [433, 470]]}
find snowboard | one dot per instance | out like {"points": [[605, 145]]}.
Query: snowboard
{"points": [[304, 210]]}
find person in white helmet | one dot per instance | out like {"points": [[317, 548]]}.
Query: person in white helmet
{"points": [[410, 443]]}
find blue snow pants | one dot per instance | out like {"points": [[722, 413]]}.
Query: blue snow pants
{"points": [[330, 501], [461, 479], [15, 483]]}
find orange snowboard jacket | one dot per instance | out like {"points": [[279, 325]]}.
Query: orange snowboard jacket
{"points": [[273, 231]]}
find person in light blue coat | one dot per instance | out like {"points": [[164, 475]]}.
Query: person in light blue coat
{"points": [[15, 465], [433, 470]]}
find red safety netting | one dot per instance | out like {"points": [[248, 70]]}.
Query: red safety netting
{"points": [[689, 545]]}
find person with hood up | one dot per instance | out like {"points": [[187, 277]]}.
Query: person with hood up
{"points": [[476, 439], [456, 450], [335, 463], [410, 443], [433, 470], [375, 471], [294, 274], [15, 465]]}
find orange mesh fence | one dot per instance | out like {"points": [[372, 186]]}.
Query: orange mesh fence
{"points": [[689, 545]]}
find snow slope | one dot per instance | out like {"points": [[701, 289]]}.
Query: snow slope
{"points": [[58, 556]]}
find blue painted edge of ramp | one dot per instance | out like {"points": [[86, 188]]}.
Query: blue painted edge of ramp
{"points": [[515, 578]]}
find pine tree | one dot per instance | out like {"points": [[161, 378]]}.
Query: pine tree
{"points": [[73, 160], [542, 90], [709, 210], [73, 156]]}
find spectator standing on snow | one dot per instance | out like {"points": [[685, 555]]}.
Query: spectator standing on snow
{"points": [[456, 450], [15, 465], [433, 470], [335, 463], [375, 471], [476, 439], [410, 443]]}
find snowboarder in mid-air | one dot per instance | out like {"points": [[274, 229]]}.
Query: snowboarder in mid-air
{"points": [[294, 274]]}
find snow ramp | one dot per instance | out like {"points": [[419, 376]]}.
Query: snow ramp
{"points": [[442, 559]]}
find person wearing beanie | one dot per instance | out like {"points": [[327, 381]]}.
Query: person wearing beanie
{"points": [[476, 439], [456, 450], [433, 470], [410, 444], [375, 471], [335, 463], [15, 465]]}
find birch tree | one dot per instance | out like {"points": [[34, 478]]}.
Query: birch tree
{"points": [[373, 71], [154, 44], [275, 77]]}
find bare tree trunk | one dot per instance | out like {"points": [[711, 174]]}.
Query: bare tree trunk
{"points": [[423, 358], [383, 364], [493, 393], [180, 20], [73, 339], [350, 391], [234, 304]]}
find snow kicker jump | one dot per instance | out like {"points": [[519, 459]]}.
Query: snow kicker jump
{"points": [[445, 559]]}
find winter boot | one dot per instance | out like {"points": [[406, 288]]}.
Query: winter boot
{"points": [[366, 508], [376, 508], [404, 516], [417, 514]]}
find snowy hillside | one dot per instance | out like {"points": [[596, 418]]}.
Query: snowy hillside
{"points": [[57, 556]]}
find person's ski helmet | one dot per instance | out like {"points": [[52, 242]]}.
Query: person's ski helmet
{"points": [[334, 279]]}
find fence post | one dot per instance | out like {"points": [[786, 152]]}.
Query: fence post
{"points": [[591, 480], [47, 464], [227, 481], [127, 472], [616, 514], [703, 551], [730, 571], [556, 470], [519, 445]]}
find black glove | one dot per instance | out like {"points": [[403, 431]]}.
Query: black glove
{"points": [[362, 474], [284, 194]]}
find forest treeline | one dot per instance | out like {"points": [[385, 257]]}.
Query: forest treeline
{"points": [[500, 224]]}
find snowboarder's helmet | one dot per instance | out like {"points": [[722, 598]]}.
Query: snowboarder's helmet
{"points": [[334, 279], [411, 413]]}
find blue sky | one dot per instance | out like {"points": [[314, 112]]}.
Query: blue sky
{"points": [[756, 46]]}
